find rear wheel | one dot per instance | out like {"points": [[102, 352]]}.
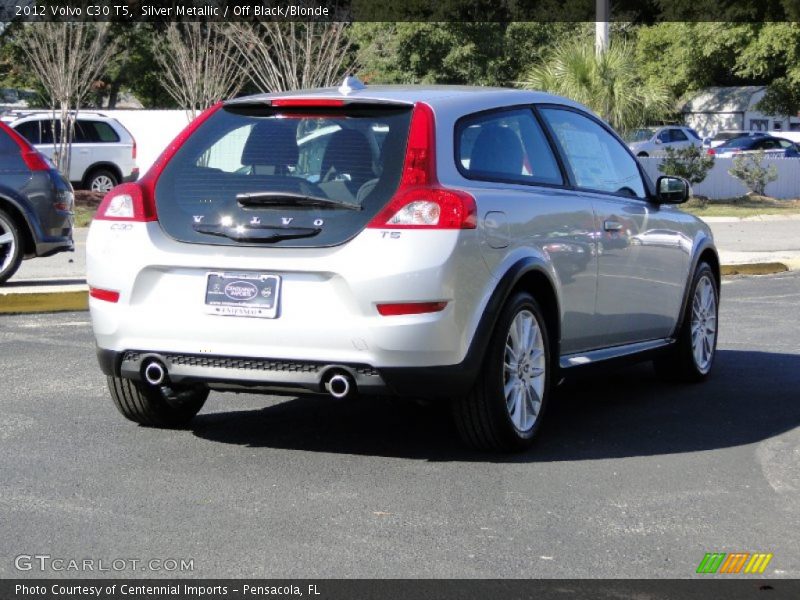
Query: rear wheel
{"points": [[156, 406], [504, 410], [10, 246], [693, 354], [101, 180]]}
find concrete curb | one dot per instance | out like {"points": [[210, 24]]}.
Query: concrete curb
{"points": [[766, 268], [76, 298], [43, 300]]}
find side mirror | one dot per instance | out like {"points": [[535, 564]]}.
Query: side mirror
{"points": [[658, 140], [672, 190]]}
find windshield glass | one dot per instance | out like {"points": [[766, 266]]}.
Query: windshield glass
{"points": [[256, 167], [640, 135], [739, 142]]}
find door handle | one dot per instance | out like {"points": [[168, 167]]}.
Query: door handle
{"points": [[612, 225]]}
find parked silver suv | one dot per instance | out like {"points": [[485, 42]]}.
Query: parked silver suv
{"points": [[103, 151], [468, 244]]}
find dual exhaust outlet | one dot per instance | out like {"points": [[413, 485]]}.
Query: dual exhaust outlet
{"points": [[337, 382]]}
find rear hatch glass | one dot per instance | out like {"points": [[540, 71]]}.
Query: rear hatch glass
{"points": [[298, 177]]}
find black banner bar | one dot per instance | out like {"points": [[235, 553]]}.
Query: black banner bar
{"points": [[468, 11], [741, 588]]}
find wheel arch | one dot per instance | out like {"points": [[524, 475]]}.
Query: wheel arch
{"points": [[94, 167], [704, 252], [528, 274], [16, 212]]}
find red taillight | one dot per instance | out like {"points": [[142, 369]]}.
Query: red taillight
{"points": [[34, 160], [307, 102], [137, 201], [420, 202], [410, 308], [711, 152], [106, 295], [127, 202]]}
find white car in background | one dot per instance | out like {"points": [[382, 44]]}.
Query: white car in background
{"points": [[103, 151], [653, 141]]}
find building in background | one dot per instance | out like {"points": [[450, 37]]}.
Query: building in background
{"points": [[733, 108]]}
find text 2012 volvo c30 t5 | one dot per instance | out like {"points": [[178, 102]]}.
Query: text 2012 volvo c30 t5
{"points": [[467, 244]]}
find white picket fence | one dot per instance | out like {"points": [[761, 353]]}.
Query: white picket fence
{"points": [[720, 184]]}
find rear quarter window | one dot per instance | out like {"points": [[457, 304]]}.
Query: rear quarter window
{"points": [[505, 145]]}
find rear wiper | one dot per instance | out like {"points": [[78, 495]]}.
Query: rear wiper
{"points": [[291, 199]]}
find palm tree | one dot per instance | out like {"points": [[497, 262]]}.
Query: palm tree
{"points": [[607, 82]]}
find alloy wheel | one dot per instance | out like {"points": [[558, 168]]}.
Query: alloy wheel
{"points": [[524, 370], [704, 324]]}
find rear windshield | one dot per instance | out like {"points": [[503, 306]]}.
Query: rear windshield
{"points": [[310, 177]]}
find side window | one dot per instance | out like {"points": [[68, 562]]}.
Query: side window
{"points": [[102, 132], [30, 131], [83, 133], [598, 161], [226, 153], [676, 135], [47, 130], [506, 145], [663, 135]]}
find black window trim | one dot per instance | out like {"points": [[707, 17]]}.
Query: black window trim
{"points": [[647, 183], [457, 127]]}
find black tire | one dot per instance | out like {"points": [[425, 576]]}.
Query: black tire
{"points": [[483, 417], [156, 406], [680, 362], [100, 178], [643, 155], [10, 251]]}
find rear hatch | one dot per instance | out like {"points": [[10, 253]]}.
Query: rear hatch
{"points": [[306, 173]]}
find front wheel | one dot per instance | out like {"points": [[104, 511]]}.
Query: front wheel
{"points": [[693, 354], [156, 406], [503, 412]]}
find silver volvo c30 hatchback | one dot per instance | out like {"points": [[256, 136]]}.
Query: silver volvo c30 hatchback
{"points": [[473, 245]]}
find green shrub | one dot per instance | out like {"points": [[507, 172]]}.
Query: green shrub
{"points": [[749, 169], [691, 163]]}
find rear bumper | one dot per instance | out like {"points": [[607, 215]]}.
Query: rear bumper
{"points": [[289, 376], [49, 247], [326, 308], [134, 176]]}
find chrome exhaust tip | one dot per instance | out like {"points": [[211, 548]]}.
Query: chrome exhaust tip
{"points": [[154, 373], [339, 386]]}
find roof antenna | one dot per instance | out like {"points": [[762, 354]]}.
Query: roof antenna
{"points": [[350, 84]]}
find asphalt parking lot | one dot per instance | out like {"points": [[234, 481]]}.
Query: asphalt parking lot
{"points": [[632, 477]]}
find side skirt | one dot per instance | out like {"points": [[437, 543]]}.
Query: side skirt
{"points": [[616, 356]]}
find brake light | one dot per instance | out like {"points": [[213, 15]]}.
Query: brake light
{"points": [[33, 159], [307, 102], [136, 201], [410, 308], [711, 152], [105, 295], [127, 202], [420, 202]]}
